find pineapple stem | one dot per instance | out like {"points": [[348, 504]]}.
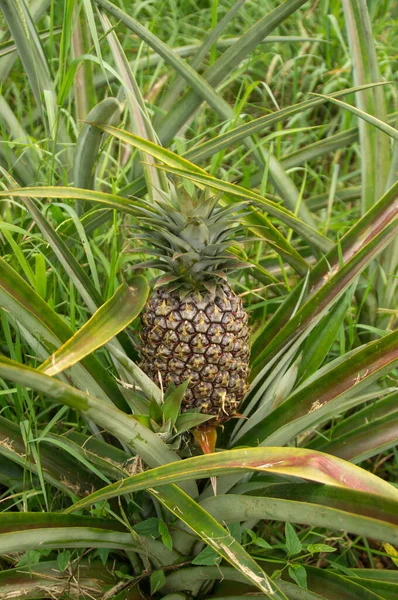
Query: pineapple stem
{"points": [[206, 438]]}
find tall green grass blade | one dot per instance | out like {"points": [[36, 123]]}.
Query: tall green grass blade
{"points": [[320, 340], [37, 9], [28, 166], [47, 331], [84, 90], [28, 45], [83, 283], [369, 118], [375, 151], [200, 85], [139, 117], [153, 59], [128, 430], [223, 66], [203, 151], [110, 200], [33, 58], [211, 39]]}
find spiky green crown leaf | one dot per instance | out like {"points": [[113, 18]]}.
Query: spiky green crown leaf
{"points": [[190, 237]]}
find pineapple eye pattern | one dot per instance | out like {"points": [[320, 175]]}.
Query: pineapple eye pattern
{"points": [[204, 339]]}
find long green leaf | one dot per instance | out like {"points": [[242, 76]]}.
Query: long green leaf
{"points": [[318, 506], [256, 221], [375, 150], [223, 66], [88, 142], [184, 168], [205, 150], [183, 68], [29, 47], [113, 316], [365, 433], [49, 331], [111, 200], [211, 39], [309, 404], [139, 117], [297, 462], [284, 184], [381, 125], [145, 443], [330, 278], [26, 531]]}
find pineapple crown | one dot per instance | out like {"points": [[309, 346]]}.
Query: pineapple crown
{"points": [[189, 237]]}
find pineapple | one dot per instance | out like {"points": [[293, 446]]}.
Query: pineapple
{"points": [[194, 326]]}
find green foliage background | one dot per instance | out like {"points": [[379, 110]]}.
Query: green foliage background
{"points": [[291, 106]]}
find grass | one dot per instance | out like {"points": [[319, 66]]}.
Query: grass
{"points": [[62, 263]]}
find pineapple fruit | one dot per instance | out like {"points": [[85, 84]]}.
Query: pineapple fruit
{"points": [[194, 326]]}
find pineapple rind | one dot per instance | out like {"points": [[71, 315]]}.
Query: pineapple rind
{"points": [[203, 337]]}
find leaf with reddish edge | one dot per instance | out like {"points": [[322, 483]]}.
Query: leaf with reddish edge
{"points": [[325, 297], [309, 403], [297, 462], [366, 441], [331, 275], [111, 318], [364, 433]]}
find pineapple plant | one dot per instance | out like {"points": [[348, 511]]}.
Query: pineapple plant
{"points": [[97, 496], [194, 327]]}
